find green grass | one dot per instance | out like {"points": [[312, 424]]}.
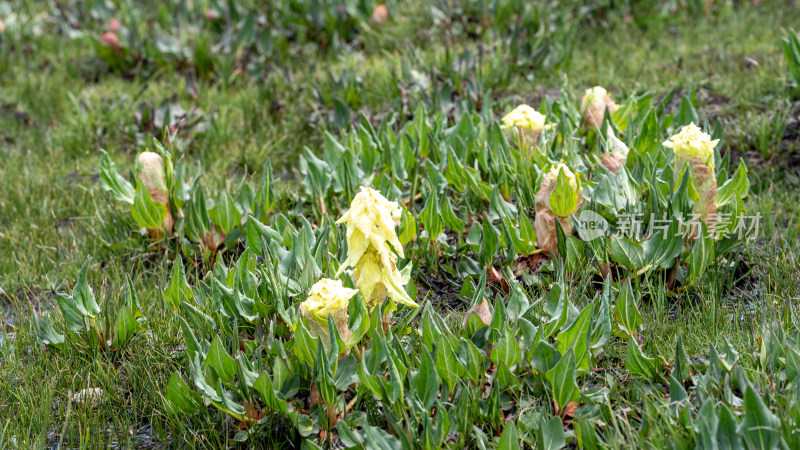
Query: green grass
{"points": [[53, 213]]}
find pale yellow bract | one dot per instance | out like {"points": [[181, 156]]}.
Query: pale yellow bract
{"points": [[327, 297], [692, 142], [596, 96], [152, 171], [567, 173], [372, 242], [523, 116], [594, 104]]}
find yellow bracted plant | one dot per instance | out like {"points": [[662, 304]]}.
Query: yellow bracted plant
{"points": [[593, 107], [373, 248], [328, 297], [527, 123], [694, 147], [554, 202]]}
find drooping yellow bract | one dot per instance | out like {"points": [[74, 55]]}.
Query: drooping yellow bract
{"points": [[692, 142], [328, 297], [593, 106], [371, 239]]}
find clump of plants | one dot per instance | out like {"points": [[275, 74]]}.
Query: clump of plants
{"points": [[86, 326]]}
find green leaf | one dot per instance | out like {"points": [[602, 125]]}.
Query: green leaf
{"points": [[178, 289], [729, 357], [626, 252], [563, 382], [552, 435], [265, 199], [564, 198], [509, 439], [197, 222], [447, 365], [408, 227], [637, 363], [179, 398], [265, 387], [760, 427], [317, 175], [681, 369], [46, 333], [358, 321], [686, 114], [506, 350], [490, 243], [111, 181], [499, 207], [702, 254], [451, 220], [146, 212], [425, 383], [738, 183], [545, 357], [225, 213], [601, 325], [727, 431], [125, 327], [576, 338], [626, 313], [218, 358], [706, 427], [474, 357], [431, 217]]}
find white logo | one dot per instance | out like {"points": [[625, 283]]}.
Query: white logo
{"points": [[591, 225]]}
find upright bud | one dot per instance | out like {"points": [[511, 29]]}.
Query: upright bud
{"points": [[694, 147], [151, 166], [568, 197], [594, 104], [525, 124]]}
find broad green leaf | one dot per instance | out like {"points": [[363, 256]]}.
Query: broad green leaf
{"points": [[760, 427], [702, 254], [447, 365], [564, 198], [46, 333], [601, 324], [218, 358], [562, 381], [451, 220], [111, 181], [225, 213], [626, 252], [501, 208], [178, 289], [728, 436], [738, 183], [146, 212], [626, 313], [706, 427], [408, 227], [179, 398], [506, 350], [552, 435], [576, 338], [637, 363], [509, 439], [425, 382], [431, 217]]}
